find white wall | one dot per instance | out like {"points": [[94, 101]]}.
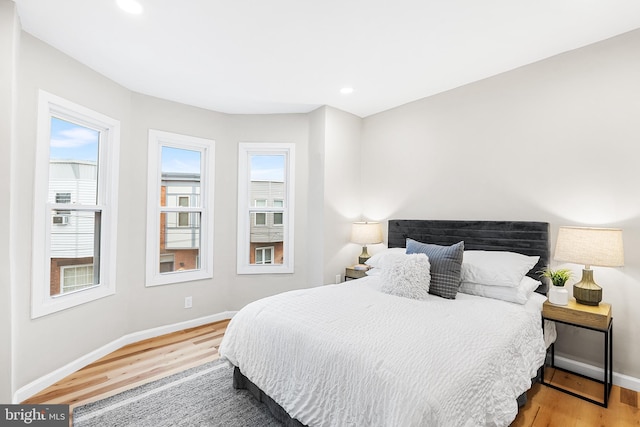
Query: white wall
{"points": [[334, 176], [315, 253], [9, 39], [556, 141], [342, 200]]}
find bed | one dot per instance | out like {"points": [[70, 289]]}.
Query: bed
{"points": [[355, 354]]}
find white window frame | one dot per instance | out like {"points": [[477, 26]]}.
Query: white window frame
{"points": [[49, 105], [245, 150], [206, 147]]}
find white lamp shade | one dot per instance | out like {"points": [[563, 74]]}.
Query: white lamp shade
{"points": [[366, 233], [590, 246]]}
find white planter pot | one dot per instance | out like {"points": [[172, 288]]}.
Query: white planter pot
{"points": [[558, 295]]}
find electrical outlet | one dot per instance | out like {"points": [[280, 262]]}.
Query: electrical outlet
{"points": [[338, 278], [188, 302]]}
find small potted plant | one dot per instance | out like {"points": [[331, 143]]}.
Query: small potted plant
{"points": [[558, 294]]}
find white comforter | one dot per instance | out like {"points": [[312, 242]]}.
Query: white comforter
{"points": [[349, 355]]}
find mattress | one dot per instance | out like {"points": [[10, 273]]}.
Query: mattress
{"points": [[350, 355]]}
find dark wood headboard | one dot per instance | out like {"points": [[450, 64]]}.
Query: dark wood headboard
{"points": [[525, 237]]}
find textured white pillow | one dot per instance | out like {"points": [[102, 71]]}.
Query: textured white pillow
{"points": [[385, 257], [518, 294], [407, 276], [496, 268]]}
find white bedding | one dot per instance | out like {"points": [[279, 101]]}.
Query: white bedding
{"points": [[349, 355]]}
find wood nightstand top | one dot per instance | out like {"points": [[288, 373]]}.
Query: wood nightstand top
{"points": [[352, 273], [597, 316]]}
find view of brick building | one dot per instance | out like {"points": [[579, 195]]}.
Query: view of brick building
{"points": [[179, 231], [266, 229], [73, 243]]}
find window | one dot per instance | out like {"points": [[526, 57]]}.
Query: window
{"points": [[62, 217], [265, 208], [77, 277], [183, 217], [264, 255], [277, 216], [74, 237], [180, 208], [260, 219], [63, 197]]}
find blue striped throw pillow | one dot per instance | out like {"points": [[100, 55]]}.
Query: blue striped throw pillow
{"points": [[446, 266]]}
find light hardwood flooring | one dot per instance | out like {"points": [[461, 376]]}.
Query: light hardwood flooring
{"points": [[151, 359], [136, 364]]}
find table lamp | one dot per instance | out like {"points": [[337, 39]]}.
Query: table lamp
{"points": [[366, 233], [592, 247]]}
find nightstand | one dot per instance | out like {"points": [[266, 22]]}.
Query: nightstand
{"points": [[596, 318], [352, 273]]}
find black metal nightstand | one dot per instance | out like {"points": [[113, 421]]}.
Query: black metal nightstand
{"points": [[596, 318]]}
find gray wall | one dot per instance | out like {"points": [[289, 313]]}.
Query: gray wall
{"points": [[70, 334], [510, 147], [556, 141], [48, 343]]}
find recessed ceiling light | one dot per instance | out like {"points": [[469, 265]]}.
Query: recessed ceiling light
{"points": [[346, 90], [130, 6]]}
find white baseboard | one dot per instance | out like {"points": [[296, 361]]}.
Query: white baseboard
{"points": [[55, 376], [591, 371]]}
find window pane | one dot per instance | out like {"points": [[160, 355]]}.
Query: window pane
{"points": [[183, 219], [63, 197], [277, 218], [73, 160], [179, 245], [264, 256], [267, 188], [267, 177], [260, 218], [75, 278], [75, 242], [261, 235], [181, 170]]}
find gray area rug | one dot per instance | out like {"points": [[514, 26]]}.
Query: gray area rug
{"points": [[201, 396]]}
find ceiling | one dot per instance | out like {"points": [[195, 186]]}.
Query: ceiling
{"points": [[289, 56]]}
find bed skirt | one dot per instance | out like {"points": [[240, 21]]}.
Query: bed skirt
{"points": [[244, 383]]}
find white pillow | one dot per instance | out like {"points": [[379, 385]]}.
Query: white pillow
{"points": [[385, 257], [408, 276], [534, 303], [496, 268], [518, 294]]}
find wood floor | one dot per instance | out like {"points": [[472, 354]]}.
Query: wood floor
{"points": [[136, 364], [158, 357]]}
